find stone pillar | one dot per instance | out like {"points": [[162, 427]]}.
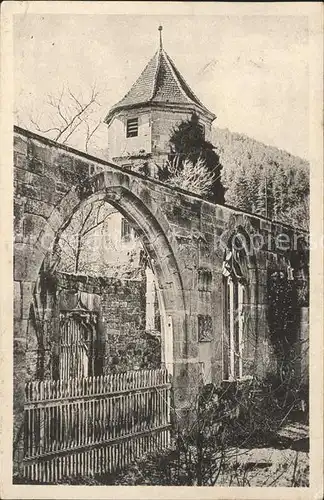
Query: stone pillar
{"points": [[186, 371], [265, 361], [27, 261], [150, 300], [217, 315]]}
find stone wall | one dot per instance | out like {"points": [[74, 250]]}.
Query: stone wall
{"points": [[184, 236], [122, 342]]}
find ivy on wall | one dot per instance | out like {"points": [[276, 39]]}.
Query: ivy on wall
{"points": [[283, 313], [134, 351]]}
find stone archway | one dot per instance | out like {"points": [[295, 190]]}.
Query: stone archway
{"points": [[162, 260], [157, 238]]}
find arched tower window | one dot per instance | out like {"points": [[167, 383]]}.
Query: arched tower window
{"points": [[236, 348]]}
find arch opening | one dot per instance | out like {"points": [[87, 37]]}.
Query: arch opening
{"points": [[146, 281], [239, 316]]}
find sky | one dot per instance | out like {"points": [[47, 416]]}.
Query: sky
{"points": [[251, 71]]}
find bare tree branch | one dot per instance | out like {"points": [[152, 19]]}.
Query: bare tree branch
{"points": [[90, 134], [99, 223], [75, 242], [46, 131], [68, 116]]}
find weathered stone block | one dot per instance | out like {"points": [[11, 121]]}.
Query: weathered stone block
{"points": [[208, 210], [38, 207], [35, 165], [26, 297], [31, 337], [35, 186], [19, 345], [192, 206], [20, 327], [41, 151], [207, 227], [81, 166], [27, 261], [18, 210], [23, 176], [20, 161], [68, 205], [26, 190], [186, 380], [20, 144], [61, 187], [46, 239], [17, 300], [32, 226], [31, 363], [205, 328], [66, 162]]}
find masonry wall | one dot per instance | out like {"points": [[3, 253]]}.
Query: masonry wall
{"points": [[184, 237], [123, 310], [120, 306]]}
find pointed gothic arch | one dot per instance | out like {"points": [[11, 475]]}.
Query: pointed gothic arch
{"points": [[156, 238], [239, 286]]}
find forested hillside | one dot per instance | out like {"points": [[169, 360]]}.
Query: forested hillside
{"points": [[263, 179]]}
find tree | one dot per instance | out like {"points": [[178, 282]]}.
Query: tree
{"points": [[263, 179], [241, 196], [69, 116], [188, 144], [92, 244]]}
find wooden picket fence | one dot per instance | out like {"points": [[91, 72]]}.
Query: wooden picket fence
{"points": [[95, 425]]}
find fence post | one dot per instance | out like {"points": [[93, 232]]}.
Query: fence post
{"points": [[41, 418]]}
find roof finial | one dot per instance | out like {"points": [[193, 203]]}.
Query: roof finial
{"points": [[160, 30]]}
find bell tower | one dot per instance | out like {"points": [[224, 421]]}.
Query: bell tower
{"points": [[142, 121]]}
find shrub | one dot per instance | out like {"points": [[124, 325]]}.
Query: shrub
{"points": [[192, 176]]}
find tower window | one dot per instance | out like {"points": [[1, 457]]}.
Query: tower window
{"points": [[132, 127]]}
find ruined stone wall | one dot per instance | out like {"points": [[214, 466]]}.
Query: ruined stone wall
{"points": [[122, 343], [185, 238]]}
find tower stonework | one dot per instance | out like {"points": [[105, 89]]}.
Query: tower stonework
{"points": [[142, 121]]}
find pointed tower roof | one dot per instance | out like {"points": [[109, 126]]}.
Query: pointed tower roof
{"points": [[160, 83]]}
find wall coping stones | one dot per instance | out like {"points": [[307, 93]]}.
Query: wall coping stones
{"points": [[194, 197]]}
